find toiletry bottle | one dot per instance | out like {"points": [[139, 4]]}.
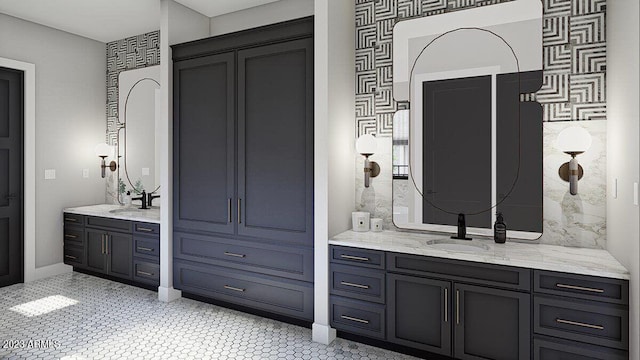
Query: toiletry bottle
{"points": [[500, 230], [127, 199]]}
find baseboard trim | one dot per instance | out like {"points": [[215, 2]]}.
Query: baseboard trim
{"points": [[168, 294], [47, 271], [322, 334]]}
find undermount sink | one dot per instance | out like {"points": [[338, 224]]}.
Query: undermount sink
{"points": [[125, 211], [457, 245]]}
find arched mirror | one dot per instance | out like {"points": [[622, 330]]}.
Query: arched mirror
{"points": [[137, 131], [470, 141]]}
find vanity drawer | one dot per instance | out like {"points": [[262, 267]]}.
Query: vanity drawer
{"points": [[277, 295], [557, 349], [146, 247], [357, 317], [73, 256], [76, 219], [591, 322], [285, 261], [358, 283], [359, 257], [146, 271], [110, 224], [583, 287], [74, 235], [464, 271], [148, 229]]}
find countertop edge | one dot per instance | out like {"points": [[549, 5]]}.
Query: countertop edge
{"points": [[99, 211]]}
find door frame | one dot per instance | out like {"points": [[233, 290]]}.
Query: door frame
{"points": [[29, 166]]}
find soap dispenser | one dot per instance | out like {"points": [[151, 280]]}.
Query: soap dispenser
{"points": [[127, 199], [500, 230]]}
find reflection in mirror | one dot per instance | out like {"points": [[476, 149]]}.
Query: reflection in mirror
{"points": [[469, 144], [137, 133]]}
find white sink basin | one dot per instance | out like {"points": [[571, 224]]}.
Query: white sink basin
{"points": [[457, 245]]}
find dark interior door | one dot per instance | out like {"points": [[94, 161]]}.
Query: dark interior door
{"points": [[457, 117], [11, 120]]}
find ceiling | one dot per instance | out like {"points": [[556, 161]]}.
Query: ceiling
{"points": [[110, 20]]}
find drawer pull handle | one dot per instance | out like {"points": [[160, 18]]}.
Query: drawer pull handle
{"points": [[234, 255], [362, 321], [569, 322], [144, 248], [354, 285], [351, 257], [70, 236], [145, 229], [581, 288], [70, 219], [144, 273], [71, 257], [233, 288], [457, 307]]}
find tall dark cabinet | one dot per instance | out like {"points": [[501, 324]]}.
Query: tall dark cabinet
{"points": [[243, 168]]}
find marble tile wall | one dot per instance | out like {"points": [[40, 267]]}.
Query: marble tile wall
{"points": [[568, 220]]}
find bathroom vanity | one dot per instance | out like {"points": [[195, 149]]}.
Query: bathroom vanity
{"points": [[120, 243], [479, 300]]}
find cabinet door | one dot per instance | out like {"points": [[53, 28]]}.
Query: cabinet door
{"points": [[204, 144], [275, 142], [491, 324], [96, 253], [419, 313], [119, 255]]}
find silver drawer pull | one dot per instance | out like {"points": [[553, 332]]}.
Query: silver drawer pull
{"points": [[145, 229], [71, 257], [233, 288], [70, 219], [354, 285], [144, 273], [234, 254], [350, 257], [144, 248], [362, 321], [70, 236], [569, 322], [574, 287]]}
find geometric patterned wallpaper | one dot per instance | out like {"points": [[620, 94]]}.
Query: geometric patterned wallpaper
{"points": [[574, 58], [127, 54]]}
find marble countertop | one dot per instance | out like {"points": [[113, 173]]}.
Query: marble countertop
{"points": [[582, 261], [132, 212]]}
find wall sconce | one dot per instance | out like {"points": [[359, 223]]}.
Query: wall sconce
{"points": [[366, 145], [573, 140], [103, 151]]}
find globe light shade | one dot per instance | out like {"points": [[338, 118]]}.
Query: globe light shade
{"points": [[366, 144], [574, 139], [103, 150]]}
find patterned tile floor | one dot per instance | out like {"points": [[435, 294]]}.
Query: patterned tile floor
{"points": [[77, 316]]}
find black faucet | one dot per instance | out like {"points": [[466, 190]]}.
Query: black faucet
{"points": [[143, 199], [150, 198], [462, 228]]}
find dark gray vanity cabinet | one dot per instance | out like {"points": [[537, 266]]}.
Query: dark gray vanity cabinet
{"points": [[243, 168], [119, 249], [580, 317], [108, 251]]}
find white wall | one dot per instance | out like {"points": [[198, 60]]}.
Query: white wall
{"points": [[623, 99], [270, 13], [334, 143], [178, 24], [70, 121]]}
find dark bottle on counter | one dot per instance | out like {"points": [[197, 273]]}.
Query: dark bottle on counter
{"points": [[500, 230]]}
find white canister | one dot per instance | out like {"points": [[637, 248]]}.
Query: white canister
{"points": [[376, 224], [360, 220]]}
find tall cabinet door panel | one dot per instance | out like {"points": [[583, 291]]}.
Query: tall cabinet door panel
{"points": [[491, 323], [204, 143], [96, 253], [275, 142], [419, 313]]}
